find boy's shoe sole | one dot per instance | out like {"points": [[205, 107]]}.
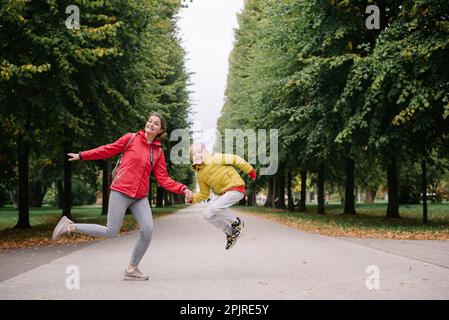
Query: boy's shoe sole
{"points": [[233, 241], [230, 244]]}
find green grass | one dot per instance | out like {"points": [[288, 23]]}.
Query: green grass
{"points": [[44, 219], [369, 221]]}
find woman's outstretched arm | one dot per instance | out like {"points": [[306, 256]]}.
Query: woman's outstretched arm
{"points": [[102, 152]]}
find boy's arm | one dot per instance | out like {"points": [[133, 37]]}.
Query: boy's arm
{"points": [[241, 164], [203, 194]]}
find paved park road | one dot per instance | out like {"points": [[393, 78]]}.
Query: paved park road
{"points": [[187, 260]]}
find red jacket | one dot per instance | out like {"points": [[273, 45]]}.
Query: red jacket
{"points": [[133, 175]]}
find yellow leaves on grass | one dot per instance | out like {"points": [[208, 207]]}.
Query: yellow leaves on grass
{"points": [[39, 240], [41, 236], [331, 228]]}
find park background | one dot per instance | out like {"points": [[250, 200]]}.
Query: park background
{"points": [[362, 112]]}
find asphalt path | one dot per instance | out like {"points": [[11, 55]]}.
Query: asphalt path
{"points": [[187, 260]]}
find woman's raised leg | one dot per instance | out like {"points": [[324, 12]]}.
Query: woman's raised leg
{"points": [[118, 203]]}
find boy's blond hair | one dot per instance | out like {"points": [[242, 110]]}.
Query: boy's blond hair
{"points": [[197, 153]]}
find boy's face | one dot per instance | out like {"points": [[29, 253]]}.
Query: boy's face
{"points": [[197, 153]]}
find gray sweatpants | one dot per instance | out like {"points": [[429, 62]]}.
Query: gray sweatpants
{"points": [[118, 203], [217, 212]]}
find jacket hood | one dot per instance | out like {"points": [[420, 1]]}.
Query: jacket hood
{"points": [[198, 166]]}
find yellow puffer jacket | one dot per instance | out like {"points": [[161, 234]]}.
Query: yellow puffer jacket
{"points": [[218, 173]]}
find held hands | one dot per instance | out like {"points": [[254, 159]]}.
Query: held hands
{"points": [[73, 156], [189, 195]]}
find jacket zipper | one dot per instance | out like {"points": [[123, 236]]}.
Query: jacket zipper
{"points": [[151, 157], [118, 177]]}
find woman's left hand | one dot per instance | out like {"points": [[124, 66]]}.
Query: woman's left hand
{"points": [[189, 195]]}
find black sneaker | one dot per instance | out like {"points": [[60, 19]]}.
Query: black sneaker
{"points": [[231, 240], [237, 227]]}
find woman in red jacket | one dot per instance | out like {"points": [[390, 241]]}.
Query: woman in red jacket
{"points": [[129, 189]]}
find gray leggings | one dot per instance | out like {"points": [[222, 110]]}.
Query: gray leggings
{"points": [[118, 203]]}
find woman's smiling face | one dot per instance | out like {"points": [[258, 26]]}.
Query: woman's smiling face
{"points": [[153, 126]]}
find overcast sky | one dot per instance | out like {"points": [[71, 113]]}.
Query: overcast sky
{"points": [[207, 29]]}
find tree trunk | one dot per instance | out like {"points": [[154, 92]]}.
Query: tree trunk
{"points": [[270, 198], [37, 194], [167, 198], [280, 192], [249, 198], [23, 149], [302, 206], [14, 197], [424, 190], [290, 205], [393, 196], [60, 194], [349, 187], [252, 199], [149, 201], [159, 197], [178, 199], [320, 208], [242, 202], [370, 195], [105, 186], [174, 199], [67, 189]]}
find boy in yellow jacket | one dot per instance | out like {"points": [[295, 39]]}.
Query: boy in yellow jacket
{"points": [[217, 172]]}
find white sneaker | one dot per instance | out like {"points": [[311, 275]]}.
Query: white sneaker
{"points": [[135, 275], [61, 228]]}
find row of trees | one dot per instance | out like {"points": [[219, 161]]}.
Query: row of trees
{"points": [[64, 90], [350, 102]]}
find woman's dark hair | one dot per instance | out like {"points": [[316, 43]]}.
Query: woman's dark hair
{"points": [[163, 124]]}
